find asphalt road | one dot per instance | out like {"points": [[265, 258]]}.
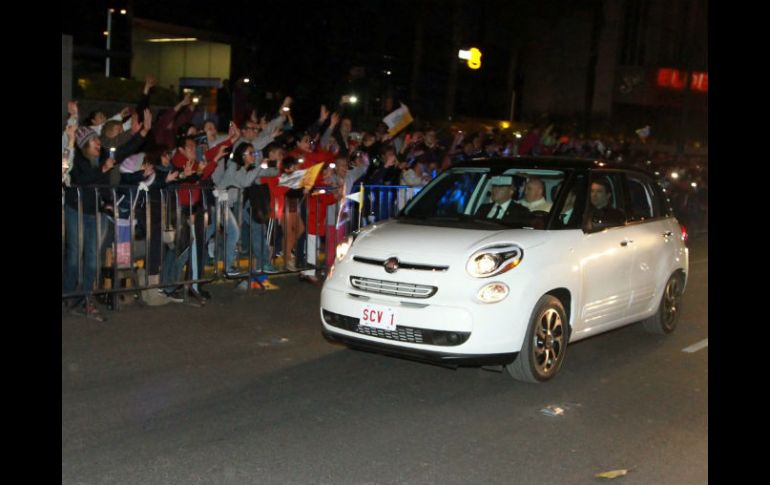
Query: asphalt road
{"points": [[245, 390]]}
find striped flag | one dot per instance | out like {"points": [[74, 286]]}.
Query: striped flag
{"points": [[301, 179], [398, 120]]}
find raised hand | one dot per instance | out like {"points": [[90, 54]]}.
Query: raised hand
{"points": [[233, 132], [146, 122], [335, 119], [324, 113], [70, 131], [188, 168], [108, 164], [221, 152], [149, 83]]}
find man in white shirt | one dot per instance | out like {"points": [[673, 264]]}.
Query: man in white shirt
{"points": [[534, 196]]}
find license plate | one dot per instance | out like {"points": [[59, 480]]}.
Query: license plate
{"points": [[377, 316]]}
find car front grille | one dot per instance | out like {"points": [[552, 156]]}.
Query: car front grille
{"points": [[401, 334], [394, 288], [401, 264]]}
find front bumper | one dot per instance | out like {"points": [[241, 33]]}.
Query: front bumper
{"points": [[440, 358]]}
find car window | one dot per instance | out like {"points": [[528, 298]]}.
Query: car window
{"points": [[487, 197], [662, 202], [571, 205], [640, 198], [448, 196]]}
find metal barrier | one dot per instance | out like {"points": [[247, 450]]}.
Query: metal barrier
{"points": [[139, 239]]}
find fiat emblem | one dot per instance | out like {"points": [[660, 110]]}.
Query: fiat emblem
{"points": [[391, 265]]}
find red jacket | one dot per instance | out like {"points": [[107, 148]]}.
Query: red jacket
{"points": [[276, 197], [187, 190]]}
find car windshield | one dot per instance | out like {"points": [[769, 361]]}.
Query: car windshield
{"points": [[487, 197]]}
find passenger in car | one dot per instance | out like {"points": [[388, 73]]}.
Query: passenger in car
{"points": [[602, 211], [534, 196], [502, 205]]}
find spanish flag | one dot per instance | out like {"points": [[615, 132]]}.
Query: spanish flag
{"points": [[398, 120]]}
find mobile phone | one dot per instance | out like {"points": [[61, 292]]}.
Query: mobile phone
{"points": [[286, 108], [112, 152]]}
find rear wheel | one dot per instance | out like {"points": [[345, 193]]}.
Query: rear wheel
{"points": [[545, 344], [670, 308]]}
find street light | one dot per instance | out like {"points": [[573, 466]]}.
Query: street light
{"points": [[110, 11]]}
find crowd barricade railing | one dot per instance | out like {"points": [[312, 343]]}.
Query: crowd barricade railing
{"points": [[148, 239]]}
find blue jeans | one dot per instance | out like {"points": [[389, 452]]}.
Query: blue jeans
{"points": [[260, 248], [74, 253], [173, 267], [232, 233], [186, 251]]}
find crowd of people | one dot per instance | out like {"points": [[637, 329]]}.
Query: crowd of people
{"points": [[249, 177]]}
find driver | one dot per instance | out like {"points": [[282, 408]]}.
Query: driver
{"points": [[502, 205]]}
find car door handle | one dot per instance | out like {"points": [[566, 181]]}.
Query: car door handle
{"points": [[626, 242], [667, 234]]}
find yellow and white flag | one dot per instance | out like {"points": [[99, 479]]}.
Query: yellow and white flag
{"points": [[398, 120], [357, 197], [301, 179]]}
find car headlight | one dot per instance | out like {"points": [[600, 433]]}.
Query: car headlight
{"points": [[494, 260], [344, 247]]}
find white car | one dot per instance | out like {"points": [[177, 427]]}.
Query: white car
{"points": [[456, 281]]}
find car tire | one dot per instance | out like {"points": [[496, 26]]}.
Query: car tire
{"points": [[545, 344], [665, 318]]}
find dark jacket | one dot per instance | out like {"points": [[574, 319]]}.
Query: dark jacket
{"points": [[514, 211], [86, 172]]}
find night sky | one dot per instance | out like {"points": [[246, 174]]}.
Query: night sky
{"points": [[307, 50]]}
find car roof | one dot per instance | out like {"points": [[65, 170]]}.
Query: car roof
{"points": [[550, 162]]}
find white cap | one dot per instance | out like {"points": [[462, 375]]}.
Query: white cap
{"points": [[502, 180]]}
